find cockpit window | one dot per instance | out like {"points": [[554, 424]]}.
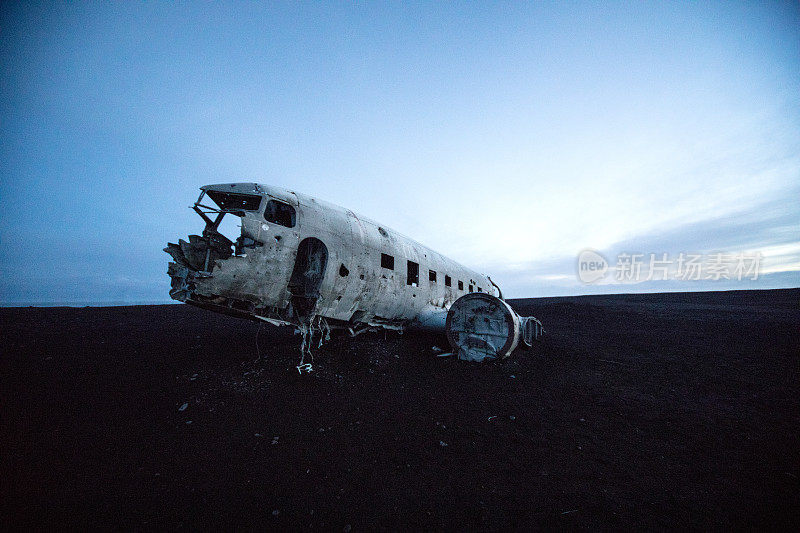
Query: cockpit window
{"points": [[280, 213], [229, 201]]}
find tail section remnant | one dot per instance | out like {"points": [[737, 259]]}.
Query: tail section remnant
{"points": [[482, 327]]}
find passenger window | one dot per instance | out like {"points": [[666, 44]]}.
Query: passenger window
{"points": [[447, 280], [413, 274], [280, 213], [432, 275], [387, 261], [460, 285]]}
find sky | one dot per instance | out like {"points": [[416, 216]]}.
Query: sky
{"points": [[508, 136]]}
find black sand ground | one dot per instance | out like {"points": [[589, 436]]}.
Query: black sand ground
{"points": [[654, 411]]}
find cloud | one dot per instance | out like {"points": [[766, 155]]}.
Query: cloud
{"points": [[771, 229]]}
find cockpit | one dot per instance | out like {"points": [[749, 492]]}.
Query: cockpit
{"points": [[240, 205]]}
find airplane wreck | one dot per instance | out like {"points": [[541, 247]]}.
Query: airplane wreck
{"points": [[316, 266]]}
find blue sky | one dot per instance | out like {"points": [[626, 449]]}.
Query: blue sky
{"points": [[509, 136]]}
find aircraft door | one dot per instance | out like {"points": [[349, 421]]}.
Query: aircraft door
{"points": [[307, 276]]}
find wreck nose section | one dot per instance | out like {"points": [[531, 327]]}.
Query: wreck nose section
{"points": [[193, 261], [247, 277], [198, 277]]}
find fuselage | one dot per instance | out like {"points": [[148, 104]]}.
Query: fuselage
{"points": [[348, 268]]}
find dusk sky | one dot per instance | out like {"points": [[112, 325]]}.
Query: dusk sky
{"points": [[507, 136]]}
